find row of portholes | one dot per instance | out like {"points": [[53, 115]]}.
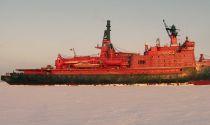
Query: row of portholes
{"points": [[141, 62], [177, 56]]}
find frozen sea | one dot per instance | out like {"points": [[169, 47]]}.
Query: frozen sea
{"points": [[104, 105]]}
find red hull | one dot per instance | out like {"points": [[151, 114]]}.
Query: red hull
{"points": [[202, 82]]}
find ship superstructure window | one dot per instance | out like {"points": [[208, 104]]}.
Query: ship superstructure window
{"points": [[141, 62]]}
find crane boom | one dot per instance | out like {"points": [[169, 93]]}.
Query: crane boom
{"points": [[166, 27]]}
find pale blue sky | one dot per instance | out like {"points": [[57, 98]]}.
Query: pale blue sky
{"points": [[33, 32]]}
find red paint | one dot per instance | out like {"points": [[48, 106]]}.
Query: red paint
{"points": [[155, 60], [202, 82]]}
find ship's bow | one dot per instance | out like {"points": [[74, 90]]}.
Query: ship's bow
{"points": [[6, 78]]}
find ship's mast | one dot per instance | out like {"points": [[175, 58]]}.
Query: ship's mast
{"points": [[107, 49], [172, 33], [107, 35]]}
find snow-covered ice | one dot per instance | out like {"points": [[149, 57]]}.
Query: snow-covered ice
{"points": [[104, 105]]}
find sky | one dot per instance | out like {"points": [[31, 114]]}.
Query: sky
{"points": [[33, 32]]}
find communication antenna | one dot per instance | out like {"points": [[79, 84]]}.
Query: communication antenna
{"points": [[158, 42], [72, 49]]}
